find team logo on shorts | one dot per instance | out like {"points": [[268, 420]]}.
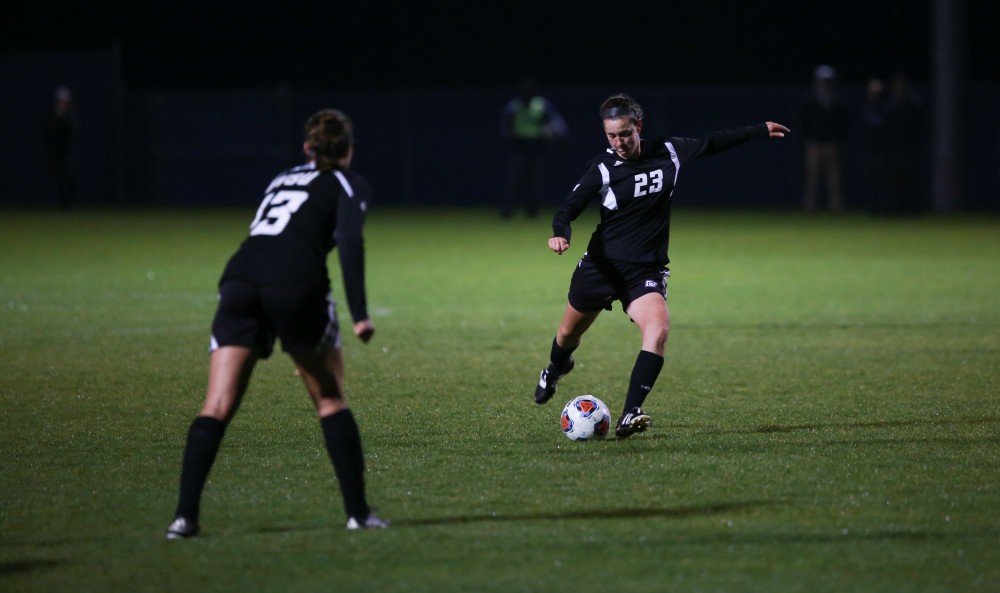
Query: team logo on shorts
{"points": [[652, 284]]}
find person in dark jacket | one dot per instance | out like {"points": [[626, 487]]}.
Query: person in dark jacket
{"points": [[824, 125]]}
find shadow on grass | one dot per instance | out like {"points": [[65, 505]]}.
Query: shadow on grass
{"points": [[772, 428], [757, 539], [814, 325], [588, 514], [22, 566], [621, 513]]}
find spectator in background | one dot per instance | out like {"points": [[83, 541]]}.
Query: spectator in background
{"points": [[874, 155], [530, 124], [904, 133], [60, 132], [823, 121]]}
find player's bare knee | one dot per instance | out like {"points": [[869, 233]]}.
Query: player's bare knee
{"points": [[661, 340], [656, 335]]}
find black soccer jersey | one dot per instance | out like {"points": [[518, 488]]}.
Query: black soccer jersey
{"points": [[636, 195], [305, 213]]}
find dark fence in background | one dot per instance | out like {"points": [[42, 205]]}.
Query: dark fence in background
{"points": [[434, 147]]}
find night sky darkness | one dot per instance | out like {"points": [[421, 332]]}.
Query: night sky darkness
{"points": [[487, 44]]}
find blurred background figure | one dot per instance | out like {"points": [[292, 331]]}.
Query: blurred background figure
{"points": [[874, 155], [823, 121], [530, 125], [905, 127], [60, 132]]}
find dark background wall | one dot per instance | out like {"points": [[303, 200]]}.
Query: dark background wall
{"points": [[193, 104]]}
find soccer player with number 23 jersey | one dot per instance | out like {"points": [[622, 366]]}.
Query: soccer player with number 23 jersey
{"points": [[626, 259]]}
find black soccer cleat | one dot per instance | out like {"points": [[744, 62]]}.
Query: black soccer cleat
{"points": [[182, 528], [633, 421], [547, 384]]}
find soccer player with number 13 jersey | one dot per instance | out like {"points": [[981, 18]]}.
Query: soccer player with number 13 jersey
{"points": [[276, 285]]}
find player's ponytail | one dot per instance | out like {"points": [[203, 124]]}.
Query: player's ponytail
{"points": [[328, 137]]}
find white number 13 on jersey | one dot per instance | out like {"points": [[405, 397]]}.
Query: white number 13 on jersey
{"points": [[654, 181], [275, 212]]}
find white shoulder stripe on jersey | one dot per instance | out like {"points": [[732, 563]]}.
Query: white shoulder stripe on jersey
{"points": [[345, 183], [677, 161], [609, 200]]}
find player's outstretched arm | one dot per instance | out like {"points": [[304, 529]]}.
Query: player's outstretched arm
{"points": [[558, 244], [775, 130]]}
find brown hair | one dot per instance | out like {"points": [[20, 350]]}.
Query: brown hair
{"points": [[329, 137], [621, 105]]}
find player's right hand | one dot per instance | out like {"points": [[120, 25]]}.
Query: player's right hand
{"points": [[364, 330], [775, 130], [558, 244]]}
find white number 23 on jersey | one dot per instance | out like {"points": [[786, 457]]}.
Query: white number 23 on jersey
{"points": [[654, 183], [276, 210]]}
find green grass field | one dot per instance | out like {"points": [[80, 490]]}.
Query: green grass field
{"points": [[828, 418]]}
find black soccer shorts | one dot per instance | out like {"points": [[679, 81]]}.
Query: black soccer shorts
{"points": [[597, 283], [304, 317]]}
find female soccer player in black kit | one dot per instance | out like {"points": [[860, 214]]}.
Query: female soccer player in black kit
{"points": [[277, 286], [627, 255]]}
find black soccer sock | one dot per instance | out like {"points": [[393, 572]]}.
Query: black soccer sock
{"points": [[644, 373], [343, 443], [203, 440], [559, 357]]}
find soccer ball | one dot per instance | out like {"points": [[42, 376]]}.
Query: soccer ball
{"points": [[585, 417]]}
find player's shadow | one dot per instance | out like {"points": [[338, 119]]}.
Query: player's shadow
{"points": [[23, 566], [589, 514], [915, 423]]}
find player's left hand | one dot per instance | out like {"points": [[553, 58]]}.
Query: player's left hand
{"points": [[364, 330], [776, 130], [558, 244]]}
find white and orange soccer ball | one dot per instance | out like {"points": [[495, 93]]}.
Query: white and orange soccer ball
{"points": [[585, 417]]}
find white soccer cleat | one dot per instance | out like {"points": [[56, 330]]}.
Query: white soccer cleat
{"points": [[182, 528], [372, 522]]}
